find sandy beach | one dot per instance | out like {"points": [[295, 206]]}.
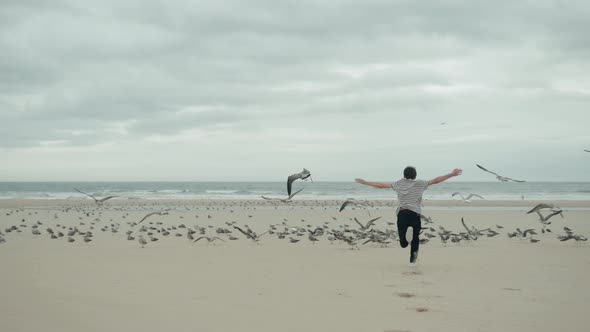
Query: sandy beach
{"points": [[112, 284]]}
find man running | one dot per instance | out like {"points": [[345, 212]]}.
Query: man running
{"points": [[409, 194]]}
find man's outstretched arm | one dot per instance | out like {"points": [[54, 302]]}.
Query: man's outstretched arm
{"points": [[373, 184], [455, 172]]}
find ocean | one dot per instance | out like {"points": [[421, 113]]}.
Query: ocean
{"points": [[312, 190]]}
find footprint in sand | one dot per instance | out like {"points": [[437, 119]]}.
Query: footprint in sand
{"points": [[412, 273], [397, 331], [421, 309], [406, 295]]}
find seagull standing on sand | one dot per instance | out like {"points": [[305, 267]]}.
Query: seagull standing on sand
{"points": [[142, 241], [466, 199], [303, 175], [499, 177]]}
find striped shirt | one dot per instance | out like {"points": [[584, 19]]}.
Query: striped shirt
{"points": [[409, 194]]}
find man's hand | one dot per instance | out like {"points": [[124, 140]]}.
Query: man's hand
{"points": [[457, 172], [361, 181]]}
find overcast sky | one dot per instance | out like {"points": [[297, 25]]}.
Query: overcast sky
{"points": [[257, 90]]}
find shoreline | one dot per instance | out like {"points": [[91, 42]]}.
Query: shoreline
{"points": [[16, 202]]}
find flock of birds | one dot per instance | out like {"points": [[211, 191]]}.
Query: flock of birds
{"points": [[352, 232]]}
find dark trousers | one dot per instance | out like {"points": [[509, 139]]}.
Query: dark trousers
{"points": [[405, 219]]}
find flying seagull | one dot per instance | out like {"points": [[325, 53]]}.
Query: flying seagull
{"points": [[466, 199], [303, 175], [209, 239], [369, 223], [284, 200], [499, 177], [353, 202], [250, 234], [96, 200], [427, 220], [544, 206], [160, 213], [544, 219]]}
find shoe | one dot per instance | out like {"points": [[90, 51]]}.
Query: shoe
{"points": [[414, 257]]}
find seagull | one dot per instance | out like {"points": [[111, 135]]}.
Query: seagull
{"points": [[209, 239], [250, 234], [572, 236], [544, 219], [96, 200], [586, 150], [142, 241], [284, 200], [427, 220], [544, 206], [353, 202], [160, 213], [472, 234], [368, 225], [466, 199], [303, 175], [312, 238], [499, 177]]}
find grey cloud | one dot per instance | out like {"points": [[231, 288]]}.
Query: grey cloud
{"points": [[89, 73]]}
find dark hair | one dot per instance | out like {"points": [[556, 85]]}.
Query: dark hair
{"points": [[410, 173]]}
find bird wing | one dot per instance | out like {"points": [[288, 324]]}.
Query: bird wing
{"points": [[507, 178], [369, 240], [458, 193], [542, 217], [295, 193], [469, 232], [554, 213], [463, 222], [370, 222], [540, 206], [357, 221], [586, 150], [290, 180], [94, 198], [474, 195], [344, 205], [425, 218], [200, 237], [107, 198], [243, 232], [147, 216], [482, 168]]}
